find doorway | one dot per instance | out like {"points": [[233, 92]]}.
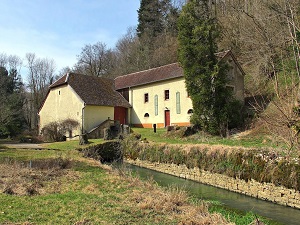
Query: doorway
{"points": [[167, 118]]}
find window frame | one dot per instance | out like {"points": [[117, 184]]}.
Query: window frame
{"points": [[178, 107], [167, 94], [231, 88], [146, 97], [156, 105]]}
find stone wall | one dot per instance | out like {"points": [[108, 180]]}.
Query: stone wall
{"points": [[264, 191]]}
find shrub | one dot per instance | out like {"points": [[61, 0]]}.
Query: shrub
{"points": [[56, 131], [106, 152]]}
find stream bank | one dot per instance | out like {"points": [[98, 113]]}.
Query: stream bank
{"points": [[230, 200], [252, 188]]}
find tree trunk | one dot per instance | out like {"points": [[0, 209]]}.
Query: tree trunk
{"points": [[83, 139]]}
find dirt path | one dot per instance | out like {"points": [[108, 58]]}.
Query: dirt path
{"points": [[24, 145]]}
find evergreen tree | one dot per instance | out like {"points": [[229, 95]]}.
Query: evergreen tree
{"points": [[12, 99], [156, 17], [157, 32], [150, 18], [205, 76]]}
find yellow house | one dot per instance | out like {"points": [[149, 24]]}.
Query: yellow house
{"points": [[158, 96], [88, 100]]}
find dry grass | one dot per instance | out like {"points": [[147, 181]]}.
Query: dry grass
{"points": [[19, 178], [115, 194], [171, 202]]}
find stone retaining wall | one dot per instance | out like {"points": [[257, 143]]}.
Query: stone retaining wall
{"points": [[265, 191]]}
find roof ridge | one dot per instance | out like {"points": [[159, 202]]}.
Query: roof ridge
{"points": [[222, 54], [56, 81], [67, 77], [142, 71]]}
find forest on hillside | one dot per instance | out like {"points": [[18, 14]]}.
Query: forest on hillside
{"points": [[264, 35]]}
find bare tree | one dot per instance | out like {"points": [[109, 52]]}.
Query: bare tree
{"points": [[265, 34], [11, 62], [3, 59], [94, 60], [259, 37], [128, 57], [282, 117], [40, 76], [289, 11], [165, 51]]}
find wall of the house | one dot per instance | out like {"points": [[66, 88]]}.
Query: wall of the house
{"points": [[62, 103], [236, 79], [140, 107], [136, 96], [95, 115]]}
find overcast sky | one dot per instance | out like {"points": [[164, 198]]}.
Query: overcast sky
{"points": [[58, 29]]}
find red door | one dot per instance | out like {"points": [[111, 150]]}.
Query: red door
{"points": [[167, 118], [120, 114]]}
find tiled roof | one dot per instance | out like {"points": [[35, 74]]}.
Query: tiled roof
{"points": [[93, 90], [222, 55], [149, 76], [160, 73]]}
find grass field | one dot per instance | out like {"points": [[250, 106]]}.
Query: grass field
{"points": [[251, 140], [58, 186]]}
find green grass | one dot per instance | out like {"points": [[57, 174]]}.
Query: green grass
{"points": [[83, 194], [92, 198], [236, 216], [70, 207], [29, 154], [160, 136], [70, 145], [67, 149]]}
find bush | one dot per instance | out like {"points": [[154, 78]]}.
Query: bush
{"points": [[106, 152], [56, 131], [29, 139]]}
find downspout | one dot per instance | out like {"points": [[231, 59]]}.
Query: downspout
{"points": [[131, 102], [82, 119]]}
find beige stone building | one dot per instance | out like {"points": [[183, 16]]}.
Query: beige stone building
{"points": [[155, 96]]}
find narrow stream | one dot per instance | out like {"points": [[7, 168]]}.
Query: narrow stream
{"points": [[278, 213]]}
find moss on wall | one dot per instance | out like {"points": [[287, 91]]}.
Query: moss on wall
{"points": [[107, 152]]}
